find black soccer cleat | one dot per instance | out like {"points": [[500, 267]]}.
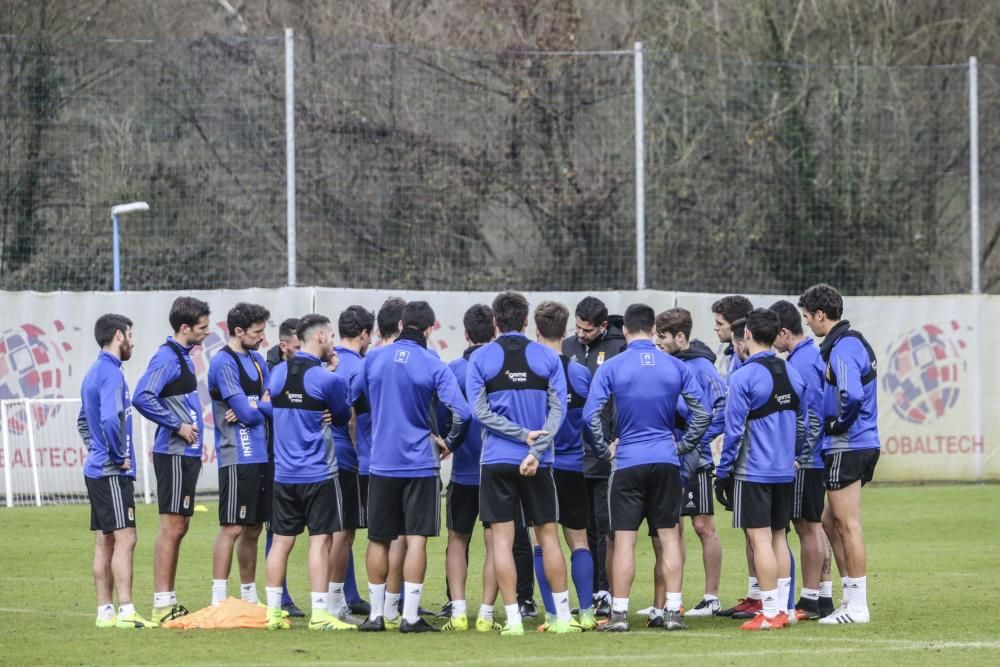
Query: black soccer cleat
{"points": [[654, 622], [602, 607], [445, 611], [617, 622], [359, 608], [376, 624], [527, 609], [672, 620], [293, 611], [420, 625]]}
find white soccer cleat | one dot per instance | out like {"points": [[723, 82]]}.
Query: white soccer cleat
{"points": [[705, 608], [846, 615], [646, 611]]}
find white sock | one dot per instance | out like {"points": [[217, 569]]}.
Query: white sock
{"points": [[411, 603], [376, 595], [125, 609], [810, 594], [248, 593], [458, 608], [273, 595], [826, 589], [219, 591], [107, 611], [673, 601], [619, 604], [753, 588], [336, 601], [770, 600], [391, 606], [319, 600], [784, 589], [655, 613], [845, 590], [513, 614], [562, 606], [709, 597], [164, 599], [486, 611], [859, 594]]}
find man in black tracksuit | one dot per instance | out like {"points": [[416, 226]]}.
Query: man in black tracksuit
{"points": [[597, 338]]}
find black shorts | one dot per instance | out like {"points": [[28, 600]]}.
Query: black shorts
{"points": [[758, 505], [112, 503], [316, 506], [506, 495], [699, 496], [571, 492], [462, 507], [354, 509], [176, 479], [807, 502], [651, 491], [242, 494], [403, 506], [363, 487], [841, 469]]}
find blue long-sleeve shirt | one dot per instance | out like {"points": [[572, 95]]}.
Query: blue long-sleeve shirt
{"points": [[761, 450], [713, 389], [401, 382], [303, 445], [350, 365], [169, 412], [246, 440], [507, 413], [806, 359], [646, 384], [568, 443], [465, 462], [105, 420], [850, 406]]}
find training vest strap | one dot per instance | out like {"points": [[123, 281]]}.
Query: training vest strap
{"points": [[782, 397], [515, 373]]}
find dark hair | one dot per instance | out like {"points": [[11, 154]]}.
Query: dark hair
{"points": [[187, 310], [288, 328], [551, 318], [732, 307], [478, 323], [674, 321], [788, 316], [418, 315], [510, 309], [108, 325], [592, 310], [825, 298], [738, 328], [308, 324], [389, 316], [639, 317], [763, 324], [245, 315], [354, 321]]}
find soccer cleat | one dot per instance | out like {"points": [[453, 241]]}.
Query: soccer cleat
{"points": [[420, 625], [617, 622], [654, 621], [164, 614], [805, 615], [323, 621], [587, 619], [134, 621], [292, 611], [564, 627], [274, 620], [527, 609], [487, 625], [360, 608], [747, 610], [110, 623], [549, 620], [346, 616], [284, 614], [376, 624], [393, 623], [445, 611], [512, 630], [825, 606], [673, 620], [602, 606], [456, 624], [846, 615], [646, 611], [762, 622], [705, 608]]}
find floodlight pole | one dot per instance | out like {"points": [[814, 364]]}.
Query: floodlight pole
{"points": [[121, 209]]}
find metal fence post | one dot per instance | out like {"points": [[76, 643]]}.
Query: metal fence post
{"points": [[640, 172], [290, 151]]}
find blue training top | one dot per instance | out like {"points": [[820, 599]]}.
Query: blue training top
{"points": [[807, 361], [238, 382], [105, 419], [850, 392], [167, 395]]}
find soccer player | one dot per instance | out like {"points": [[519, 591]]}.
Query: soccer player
{"points": [[355, 328], [401, 382], [765, 426], [646, 385], [288, 345], [596, 340], [167, 395], [807, 503], [518, 392], [236, 384], [850, 442], [462, 502], [673, 335], [306, 488], [567, 470], [105, 424]]}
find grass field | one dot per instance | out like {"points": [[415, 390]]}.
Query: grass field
{"points": [[934, 581]]}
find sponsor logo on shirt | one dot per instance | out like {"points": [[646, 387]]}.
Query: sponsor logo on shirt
{"points": [[783, 399], [293, 398], [516, 377], [245, 442]]}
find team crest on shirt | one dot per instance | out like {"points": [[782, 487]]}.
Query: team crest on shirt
{"points": [[646, 359], [600, 357], [402, 356]]}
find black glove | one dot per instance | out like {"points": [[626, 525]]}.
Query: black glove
{"points": [[833, 427], [724, 492]]}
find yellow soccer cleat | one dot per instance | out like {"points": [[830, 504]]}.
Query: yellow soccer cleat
{"points": [[456, 624], [587, 620], [110, 623], [284, 614], [275, 620], [564, 628], [164, 614], [512, 630], [134, 621], [324, 621], [393, 624], [487, 625]]}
